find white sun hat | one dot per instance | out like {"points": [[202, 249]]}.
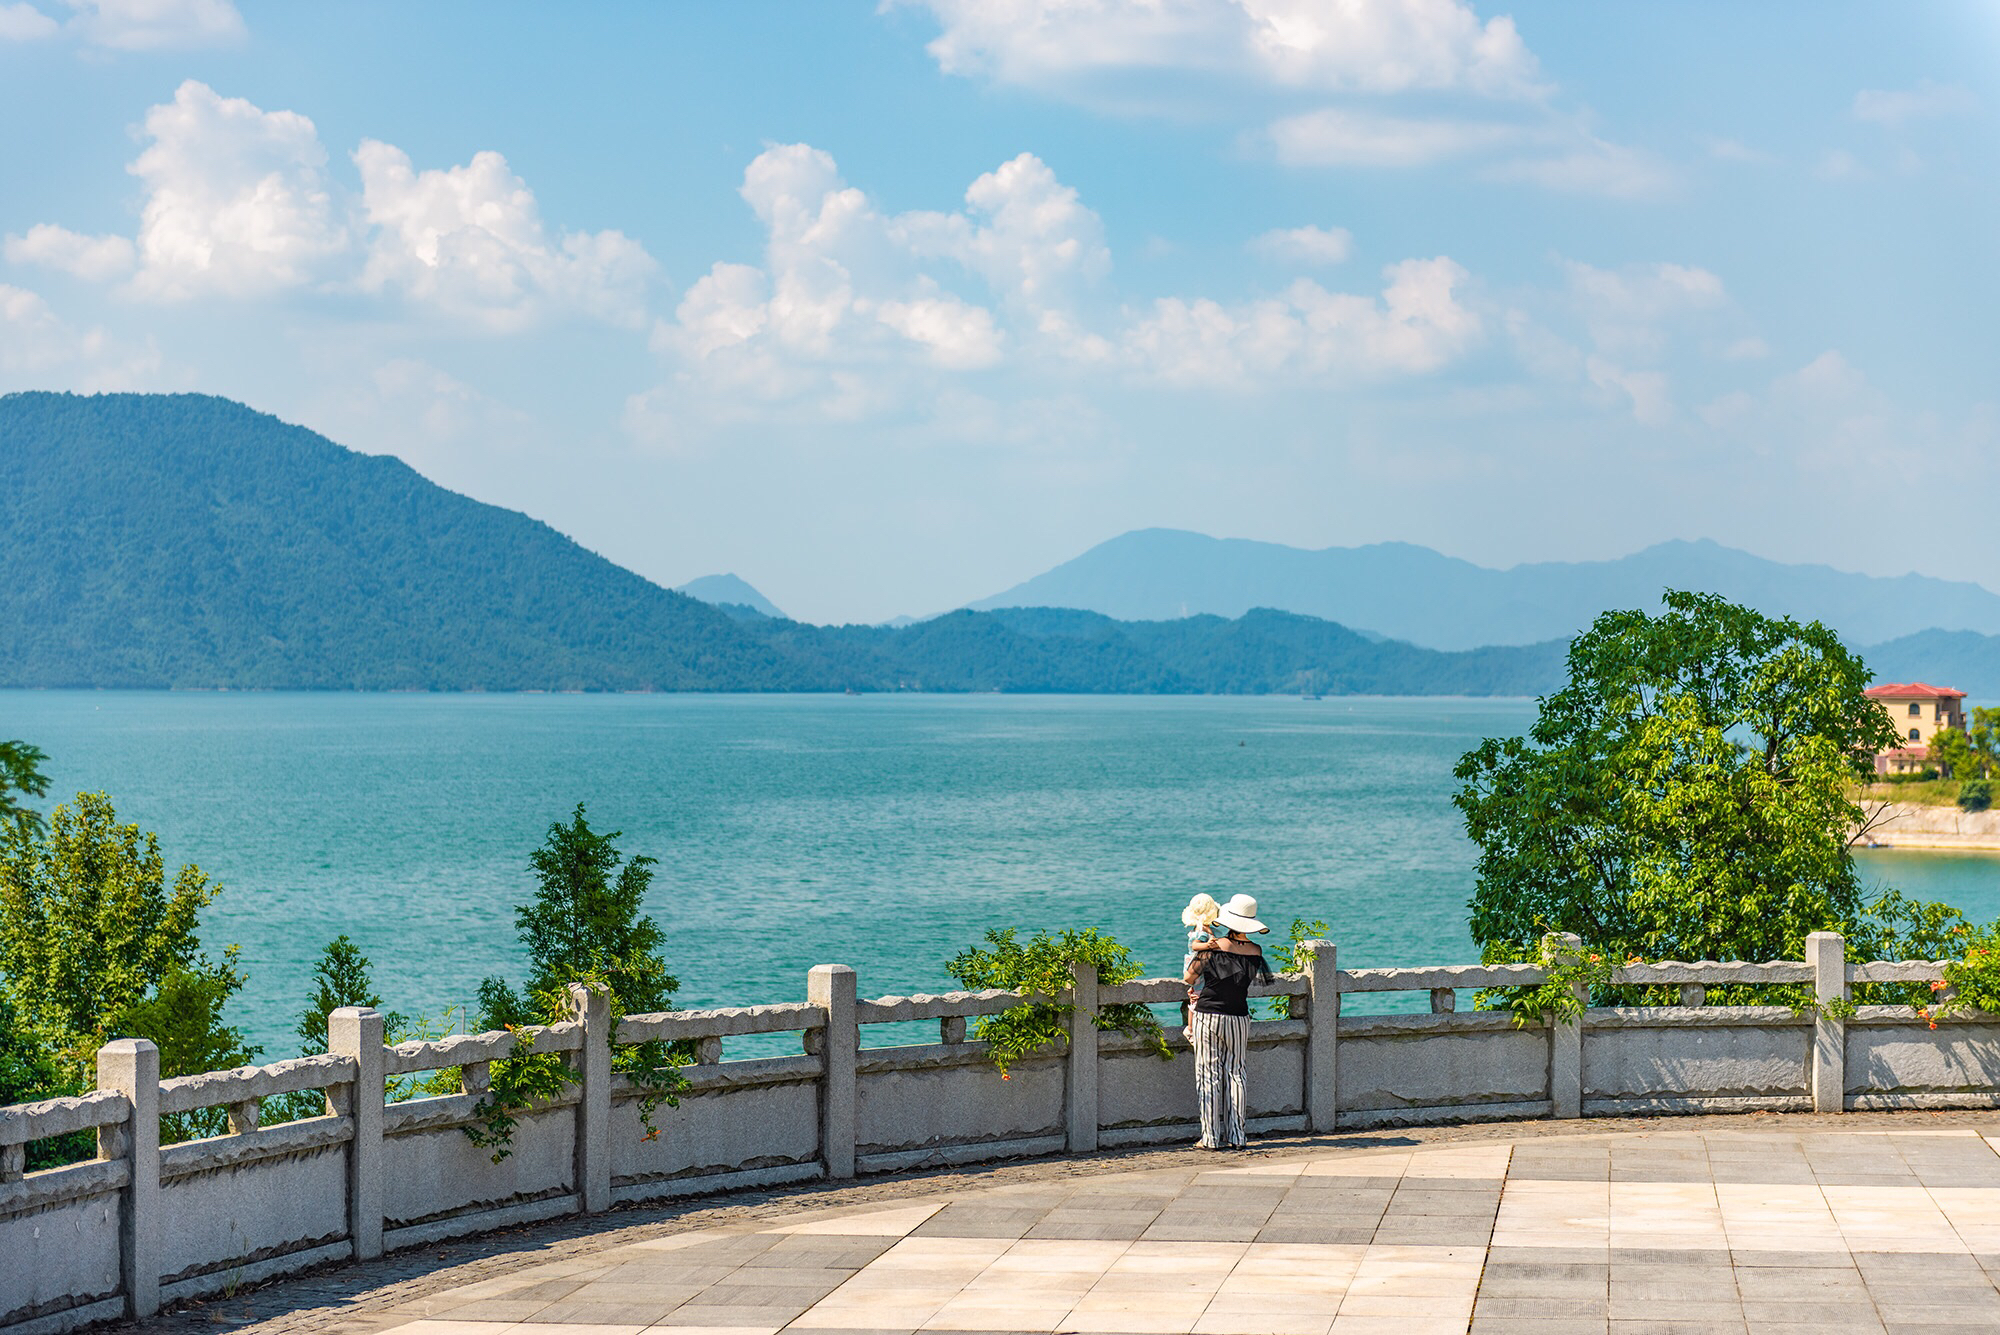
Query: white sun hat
{"points": [[1240, 915]]}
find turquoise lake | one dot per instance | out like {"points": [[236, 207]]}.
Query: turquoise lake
{"points": [[886, 832]]}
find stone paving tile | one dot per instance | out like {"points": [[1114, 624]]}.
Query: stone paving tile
{"points": [[1753, 1231]]}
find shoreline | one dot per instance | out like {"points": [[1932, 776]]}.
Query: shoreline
{"points": [[1931, 829]]}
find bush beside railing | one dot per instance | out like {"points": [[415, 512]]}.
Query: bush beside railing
{"points": [[142, 1224]]}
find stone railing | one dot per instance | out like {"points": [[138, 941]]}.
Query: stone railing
{"points": [[143, 1224]]}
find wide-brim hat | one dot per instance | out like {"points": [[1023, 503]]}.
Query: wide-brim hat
{"points": [[1240, 915]]}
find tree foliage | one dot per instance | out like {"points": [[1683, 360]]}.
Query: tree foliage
{"points": [[341, 977], [1042, 965], [585, 925], [1683, 796], [94, 945], [20, 772]]}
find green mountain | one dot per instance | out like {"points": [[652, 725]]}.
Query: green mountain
{"points": [[187, 541], [183, 540]]}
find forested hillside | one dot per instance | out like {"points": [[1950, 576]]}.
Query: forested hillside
{"points": [[188, 541]]}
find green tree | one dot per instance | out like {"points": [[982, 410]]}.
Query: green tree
{"points": [[20, 772], [1683, 796], [1954, 755], [585, 924], [1985, 737], [341, 977], [93, 945]]}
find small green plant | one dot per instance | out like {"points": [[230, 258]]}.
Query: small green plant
{"points": [[1042, 965], [1288, 958], [1975, 794], [1567, 974], [1971, 983]]}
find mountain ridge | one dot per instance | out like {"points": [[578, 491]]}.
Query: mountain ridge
{"points": [[1420, 596]]}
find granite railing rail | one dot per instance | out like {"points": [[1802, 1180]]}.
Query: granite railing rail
{"points": [[143, 1224]]}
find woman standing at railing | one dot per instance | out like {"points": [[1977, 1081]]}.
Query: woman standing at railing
{"points": [[1218, 980]]}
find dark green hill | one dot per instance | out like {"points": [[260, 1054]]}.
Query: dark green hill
{"points": [[183, 540]]}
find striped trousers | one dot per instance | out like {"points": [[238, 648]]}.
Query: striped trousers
{"points": [[1221, 1050]]}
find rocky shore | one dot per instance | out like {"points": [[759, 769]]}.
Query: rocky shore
{"points": [[1909, 825]]}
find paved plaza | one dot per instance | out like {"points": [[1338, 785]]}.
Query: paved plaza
{"points": [[1680, 1228]]}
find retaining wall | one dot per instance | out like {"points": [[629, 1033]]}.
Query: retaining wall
{"points": [[142, 1225]]}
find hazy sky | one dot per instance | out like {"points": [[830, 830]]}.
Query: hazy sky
{"points": [[887, 308]]}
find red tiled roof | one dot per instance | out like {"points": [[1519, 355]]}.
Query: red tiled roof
{"points": [[1913, 690]]}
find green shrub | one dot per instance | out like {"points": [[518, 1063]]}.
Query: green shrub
{"points": [[1042, 965], [1975, 794]]}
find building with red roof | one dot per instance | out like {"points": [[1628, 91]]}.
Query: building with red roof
{"points": [[1920, 711]]}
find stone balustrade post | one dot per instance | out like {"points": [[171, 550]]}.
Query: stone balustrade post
{"points": [[356, 1032], [131, 1066], [1322, 1064], [1827, 953], [1081, 1105], [831, 987], [592, 1006], [1566, 1040]]}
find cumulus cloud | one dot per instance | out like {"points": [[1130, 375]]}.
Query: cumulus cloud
{"points": [[855, 312], [93, 258], [1334, 137], [1417, 325], [22, 22], [154, 25], [1895, 107], [1375, 46], [470, 242], [843, 283], [1306, 245], [238, 200]]}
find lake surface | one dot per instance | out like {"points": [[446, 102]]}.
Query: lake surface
{"points": [[886, 832]]}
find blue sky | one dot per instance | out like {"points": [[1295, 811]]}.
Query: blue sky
{"points": [[887, 308]]}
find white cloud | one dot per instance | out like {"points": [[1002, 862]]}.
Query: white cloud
{"points": [[1026, 233], [1595, 168], [152, 25], [470, 242], [22, 22], [1926, 100], [1375, 46], [48, 352], [1306, 245], [238, 201], [1416, 326], [1837, 164], [93, 258], [1735, 150], [1647, 390], [1337, 138], [1627, 310]]}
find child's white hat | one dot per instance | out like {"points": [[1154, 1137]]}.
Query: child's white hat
{"points": [[1201, 911]]}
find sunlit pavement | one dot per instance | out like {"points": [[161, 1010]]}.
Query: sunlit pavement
{"points": [[1678, 1230]]}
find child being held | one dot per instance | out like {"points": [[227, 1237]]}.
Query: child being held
{"points": [[1199, 918]]}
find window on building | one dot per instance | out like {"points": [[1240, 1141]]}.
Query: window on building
{"points": [[1915, 709], [1913, 734]]}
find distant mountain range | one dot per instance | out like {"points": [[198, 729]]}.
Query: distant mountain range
{"points": [[187, 541], [1416, 595]]}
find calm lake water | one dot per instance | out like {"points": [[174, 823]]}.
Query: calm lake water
{"points": [[886, 832]]}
